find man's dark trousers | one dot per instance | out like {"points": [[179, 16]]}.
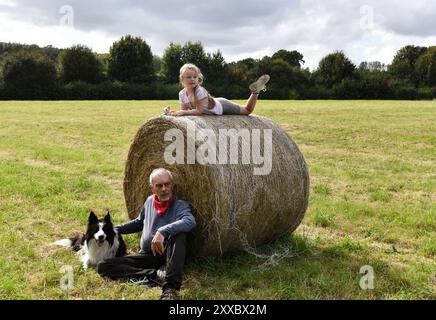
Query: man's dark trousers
{"points": [[145, 264]]}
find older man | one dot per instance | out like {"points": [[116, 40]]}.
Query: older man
{"points": [[164, 221]]}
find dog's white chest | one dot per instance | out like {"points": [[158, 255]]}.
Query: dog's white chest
{"points": [[92, 253]]}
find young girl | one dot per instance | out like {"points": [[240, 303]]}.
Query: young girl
{"points": [[195, 100]]}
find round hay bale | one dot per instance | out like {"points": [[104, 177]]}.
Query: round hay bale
{"points": [[237, 201]]}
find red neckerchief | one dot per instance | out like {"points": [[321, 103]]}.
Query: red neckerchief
{"points": [[160, 206]]}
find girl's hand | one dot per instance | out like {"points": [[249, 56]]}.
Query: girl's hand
{"points": [[172, 113], [177, 113], [167, 110]]}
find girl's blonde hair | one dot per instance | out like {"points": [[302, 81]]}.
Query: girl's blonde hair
{"points": [[192, 67]]}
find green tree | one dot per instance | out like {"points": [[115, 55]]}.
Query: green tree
{"points": [[425, 67], [103, 58], [176, 55], [79, 63], [333, 68], [294, 58], [372, 66], [217, 70], [237, 72], [157, 64], [403, 64], [248, 63], [194, 53], [131, 60], [10, 48], [248, 69], [171, 63], [29, 76], [286, 80]]}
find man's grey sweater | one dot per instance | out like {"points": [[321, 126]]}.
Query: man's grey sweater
{"points": [[178, 218]]}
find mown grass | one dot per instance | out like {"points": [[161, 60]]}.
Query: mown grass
{"points": [[373, 189]]}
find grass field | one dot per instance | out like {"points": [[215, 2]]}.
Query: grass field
{"points": [[373, 201]]}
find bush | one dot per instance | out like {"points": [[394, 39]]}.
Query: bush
{"points": [[375, 85], [293, 94], [347, 89], [230, 91], [79, 90], [133, 91], [110, 90], [117, 90], [275, 91], [405, 92], [315, 92], [165, 91], [368, 85], [425, 93]]}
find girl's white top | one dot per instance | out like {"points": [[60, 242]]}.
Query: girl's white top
{"points": [[200, 93]]}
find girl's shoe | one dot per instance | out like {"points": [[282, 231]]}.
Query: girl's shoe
{"points": [[259, 85]]}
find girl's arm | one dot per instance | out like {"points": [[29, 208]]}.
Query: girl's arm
{"points": [[167, 109], [195, 112]]}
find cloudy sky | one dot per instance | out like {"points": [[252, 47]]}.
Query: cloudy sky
{"points": [[366, 30]]}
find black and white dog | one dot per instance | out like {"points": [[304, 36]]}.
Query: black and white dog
{"points": [[99, 242]]}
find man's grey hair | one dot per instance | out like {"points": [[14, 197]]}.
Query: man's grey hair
{"points": [[158, 172]]}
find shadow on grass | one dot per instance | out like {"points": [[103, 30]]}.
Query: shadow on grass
{"points": [[296, 268]]}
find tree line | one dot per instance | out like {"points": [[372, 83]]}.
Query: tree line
{"points": [[131, 71]]}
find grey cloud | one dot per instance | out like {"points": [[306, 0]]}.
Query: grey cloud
{"points": [[225, 16], [215, 23], [238, 27], [415, 18]]}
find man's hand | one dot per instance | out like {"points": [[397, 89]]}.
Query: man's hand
{"points": [[157, 244]]}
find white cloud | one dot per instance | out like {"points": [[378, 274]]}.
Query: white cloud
{"points": [[57, 36], [7, 3]]}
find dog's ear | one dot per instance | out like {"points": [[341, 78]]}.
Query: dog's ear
{"points": [[92, 218], [107, 217]]}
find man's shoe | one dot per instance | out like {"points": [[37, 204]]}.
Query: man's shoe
{"points": [[259, 85], [169, 294]]}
